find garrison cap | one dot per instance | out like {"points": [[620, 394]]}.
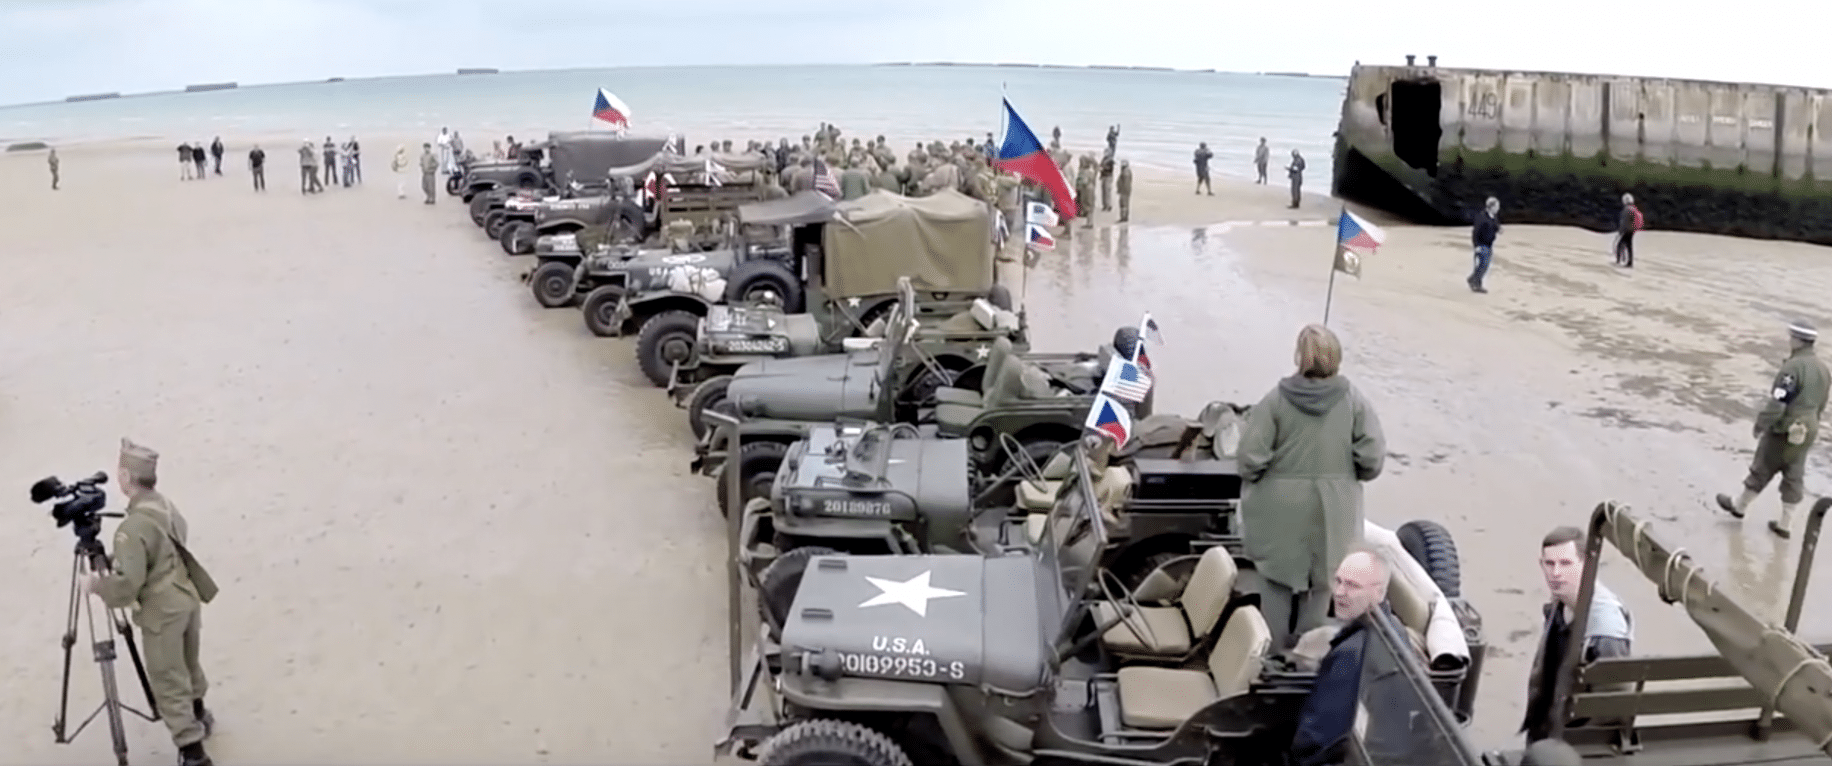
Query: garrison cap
{"points": [[1801, 329], [138, 459]]}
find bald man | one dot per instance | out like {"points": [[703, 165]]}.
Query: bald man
{"points": [[1327, 719]]}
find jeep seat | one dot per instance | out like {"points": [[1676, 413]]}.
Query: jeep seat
{"points": [[1163, 698], [1112, 486], [1039, 495], [992, 318], [1018, 380], [996, 359], [1170, 631]]}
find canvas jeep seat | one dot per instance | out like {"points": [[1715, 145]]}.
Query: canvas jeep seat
{"points": [[1153, 697], [1165, 632], [1112, 487], [1039, 495], [996, 361], [1017, 379]]}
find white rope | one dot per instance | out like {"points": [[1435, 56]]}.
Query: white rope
{"points": [[1666, 574]]}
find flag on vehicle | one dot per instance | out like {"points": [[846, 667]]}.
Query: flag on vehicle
{"points": [[1149, 327], [1039, 237], [611, 110], [1354, 235], [1041, 214], [1125, 380], [1111, 418], [713, 169], [825, 181], [1023, 154], [1000, 230]]}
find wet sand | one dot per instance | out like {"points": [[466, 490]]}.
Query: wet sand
{"points": [[453, 527]]}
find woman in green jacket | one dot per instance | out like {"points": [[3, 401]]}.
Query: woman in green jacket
{"points": [[1304, 452]]}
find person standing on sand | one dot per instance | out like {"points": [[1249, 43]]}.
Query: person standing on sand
{"points": [[1786, 428], [457, 152], [184, 162], [308, 169], [1125, 190], [1106, 180], [400, 167], [1203, 155], [354, 151], [51, 160], [445, 147], [1296, 171], [216, 153], [1262, 157], [257, 167], [1482, 238], [197, 155], [330, 162], [1628, 222], [429, 168]]}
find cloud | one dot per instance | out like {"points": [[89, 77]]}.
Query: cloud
{"points": [[82, 46]]}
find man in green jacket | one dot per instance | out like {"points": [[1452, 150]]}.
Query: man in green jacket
{"points": [[1785, 429], [158, 578]]}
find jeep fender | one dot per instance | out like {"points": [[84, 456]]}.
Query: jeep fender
{"points": [[552, 226], [876, 695], [650, 303], [838, 533]]}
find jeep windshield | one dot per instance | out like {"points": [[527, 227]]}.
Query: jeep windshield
{"points": [[1403, 721], [1071, 543]]}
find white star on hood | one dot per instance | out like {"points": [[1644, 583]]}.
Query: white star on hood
{"points": [[914, 593]]}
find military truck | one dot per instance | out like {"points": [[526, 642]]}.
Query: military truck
{"points": [[1013, 658], [959, 316], [851, 255], [1765, 695], [478, 176]]}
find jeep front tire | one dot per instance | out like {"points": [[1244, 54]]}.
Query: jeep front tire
{"points": [[826, 742]]}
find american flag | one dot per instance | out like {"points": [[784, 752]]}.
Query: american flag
{"points": [[1125, 381], [825, 181]]}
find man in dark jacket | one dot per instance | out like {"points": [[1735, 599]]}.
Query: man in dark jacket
{"points": [[1482, 236], [1327, 719], [216, 154]]}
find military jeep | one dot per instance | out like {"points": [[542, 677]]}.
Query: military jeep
{"points": [[591, 180], [849, 258], [1034, 655]]}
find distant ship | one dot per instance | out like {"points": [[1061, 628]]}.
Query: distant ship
{"points": [[1431, 144]]}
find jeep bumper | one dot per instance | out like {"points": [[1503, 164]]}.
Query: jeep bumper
{"points": [[752, 718]]}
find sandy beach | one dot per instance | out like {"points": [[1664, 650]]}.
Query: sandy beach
{"points": [[453, 527]]}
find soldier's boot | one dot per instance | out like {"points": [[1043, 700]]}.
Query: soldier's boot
{"points": [[193, 755], [1781, 526], [203, 716], [1737, 506]]}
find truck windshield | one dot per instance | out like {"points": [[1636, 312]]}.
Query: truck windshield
{"points": [[1404, 720]]}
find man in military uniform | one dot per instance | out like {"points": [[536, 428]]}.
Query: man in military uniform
{"points": [[429, 171], [1106, 180], [1084, 191], [308, 169], [1261, 156], [51, 159], [887, 179], [1125, 190], [155, 574], [854, 182], [1785, 429], [1296, 172]]}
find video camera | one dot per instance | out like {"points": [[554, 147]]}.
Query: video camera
{"points": [[82, 507]]}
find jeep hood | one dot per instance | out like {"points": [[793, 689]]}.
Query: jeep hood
{"points": [[818, 388], [926, 619]]}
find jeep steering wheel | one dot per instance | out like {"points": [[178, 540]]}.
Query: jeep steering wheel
{"points": [[1017, 455], [1128, 607]]}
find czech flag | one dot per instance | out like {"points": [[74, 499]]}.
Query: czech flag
{"points": [[612, 110], [1108, 417], [1038, 237], [1023, 154]]}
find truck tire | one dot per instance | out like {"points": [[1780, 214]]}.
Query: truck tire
{"points": [[777, 584], [757, 466], [514, 234], [707, 395], [1430, 544], [826, 742], [599, 306], [493, 224], [552, 283], [527, 180], [664, 339], [479, 204], [752, 277]]}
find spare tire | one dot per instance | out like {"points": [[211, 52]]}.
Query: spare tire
{"points": [[753, 277], [1430, 544], [825, 742], [777, 584], [999, 297]]}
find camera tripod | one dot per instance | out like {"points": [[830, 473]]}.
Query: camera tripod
{"points": [[90, 557]]}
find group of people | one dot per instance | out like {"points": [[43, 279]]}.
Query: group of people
{"points": [[1310, 444], [1487, 226], [191, 159], [339, 162]]}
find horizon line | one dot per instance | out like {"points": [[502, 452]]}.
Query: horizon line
{"points": [[488, 71]]}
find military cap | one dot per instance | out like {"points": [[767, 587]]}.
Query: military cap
{"points": [[1801, 329], [138, 459]]}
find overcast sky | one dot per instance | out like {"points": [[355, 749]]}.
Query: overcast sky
{"points": [[56, 48]]}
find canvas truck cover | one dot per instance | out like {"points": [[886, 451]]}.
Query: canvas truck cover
{"points": [[694, 163], [941, 242], [586, 156], [805, 207]]}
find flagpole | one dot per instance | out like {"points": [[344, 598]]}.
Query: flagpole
{"points": [[1329, 295]]}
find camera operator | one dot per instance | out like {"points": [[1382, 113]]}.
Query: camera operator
{"points": [[155, 575]]}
